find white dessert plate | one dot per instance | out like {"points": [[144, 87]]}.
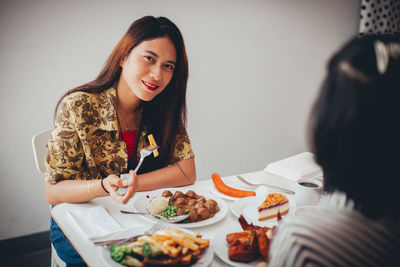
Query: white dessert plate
{"points": [[140, 202], [239, 205], [204, 260], [220, 246], [249, 210]]}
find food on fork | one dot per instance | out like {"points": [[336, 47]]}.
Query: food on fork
{"points": [[169, 247], [273, 204], [153, 144], [229, 191]]}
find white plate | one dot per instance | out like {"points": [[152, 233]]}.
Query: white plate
{"points": [[248, 207], [215, 191], [239, 205], [204, 260], [260, 190], [140, 203], [220, 246]]}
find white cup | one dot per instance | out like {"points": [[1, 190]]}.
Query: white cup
{"points": [[308, 192]]}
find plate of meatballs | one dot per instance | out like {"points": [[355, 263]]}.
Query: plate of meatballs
{"points": [[203, 208]]}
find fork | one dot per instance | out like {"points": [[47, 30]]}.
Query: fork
{"points": [[287, 191], [144, 152], [152, 230], [173, 219]]}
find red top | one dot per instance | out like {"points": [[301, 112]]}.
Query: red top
{"points": [[130, 141]]}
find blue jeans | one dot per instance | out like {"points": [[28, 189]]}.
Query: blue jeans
{"points": [[63, 247]]}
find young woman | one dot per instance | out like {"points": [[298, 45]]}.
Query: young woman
{"points": [[102, 125], [355, 138]]}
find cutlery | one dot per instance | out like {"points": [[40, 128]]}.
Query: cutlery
{"points": [[173, 219], [152, 230], [144, 152], [258, 184]]}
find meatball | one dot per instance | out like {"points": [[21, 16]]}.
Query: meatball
{"points": [[191, 194], [201, 199], [179, 202], [191, 202], [193, 216], [211, 204], [203, 213], [178, 194], [181, 211], [166, 193], [199, 205]]}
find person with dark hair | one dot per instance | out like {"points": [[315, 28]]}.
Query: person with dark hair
{"points": [[355, 139], [102, 125]]}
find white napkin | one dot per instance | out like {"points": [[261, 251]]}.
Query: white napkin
{"points": [[94, 222], [296, 167]]}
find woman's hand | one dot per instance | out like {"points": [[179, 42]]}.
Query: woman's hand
{"points": [[113, 182]]}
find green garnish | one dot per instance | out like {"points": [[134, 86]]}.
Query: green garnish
{"points": [[146, 250], [118, 252]]}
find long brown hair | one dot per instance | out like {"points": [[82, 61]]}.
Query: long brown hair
{"points": [[165, 115]]}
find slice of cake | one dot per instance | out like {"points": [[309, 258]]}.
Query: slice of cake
{"points": [[273, 204]]}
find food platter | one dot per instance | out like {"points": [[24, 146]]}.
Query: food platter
{"points": [[140, 202], [205, 258]]}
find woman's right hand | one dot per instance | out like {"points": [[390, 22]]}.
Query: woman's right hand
{"points": [[113, 182]]}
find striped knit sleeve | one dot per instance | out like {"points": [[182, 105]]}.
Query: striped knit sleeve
{"points": [[334, 238]]}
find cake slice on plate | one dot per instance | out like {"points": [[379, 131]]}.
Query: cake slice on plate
{"points": [[274, 203]]}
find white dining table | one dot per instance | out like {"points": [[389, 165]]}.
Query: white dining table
{"points": [[91, 253]]}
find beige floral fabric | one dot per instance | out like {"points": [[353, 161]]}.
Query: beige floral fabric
{"points": [[85, 143]]}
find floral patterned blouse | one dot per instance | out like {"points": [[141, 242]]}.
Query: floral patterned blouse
{"points": [[85, 143]]}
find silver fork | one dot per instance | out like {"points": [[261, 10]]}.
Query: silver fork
{"points": [[152, 230], [144, 152], [173, 219], [287, 191]]}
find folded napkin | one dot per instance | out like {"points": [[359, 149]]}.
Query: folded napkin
{"points": [[94, 222], [296, 167]]}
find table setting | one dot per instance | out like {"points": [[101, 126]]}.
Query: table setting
{"points": [[91, 226]]}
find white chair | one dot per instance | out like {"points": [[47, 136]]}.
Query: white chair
{"points": [[39, 143]]}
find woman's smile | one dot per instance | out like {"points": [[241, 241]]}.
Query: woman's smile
{"points": [[150, 86]]}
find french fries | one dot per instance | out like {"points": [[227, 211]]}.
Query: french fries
{"points": [[173, 242]]}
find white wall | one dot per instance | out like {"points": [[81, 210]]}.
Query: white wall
{"points": [[255, 67]]}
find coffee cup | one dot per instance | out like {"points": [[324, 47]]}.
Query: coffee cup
{"points": [[308, 192]]}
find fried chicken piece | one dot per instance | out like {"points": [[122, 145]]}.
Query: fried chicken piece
{"points": [[263, 243], [242, 246]]}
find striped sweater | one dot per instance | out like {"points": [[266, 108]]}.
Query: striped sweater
{"points": [[335, 235]]}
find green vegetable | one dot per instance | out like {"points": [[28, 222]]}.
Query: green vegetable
{"points": [[155, 251], [118, 252], [131, 261], [146, 250], [170, 211]]}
